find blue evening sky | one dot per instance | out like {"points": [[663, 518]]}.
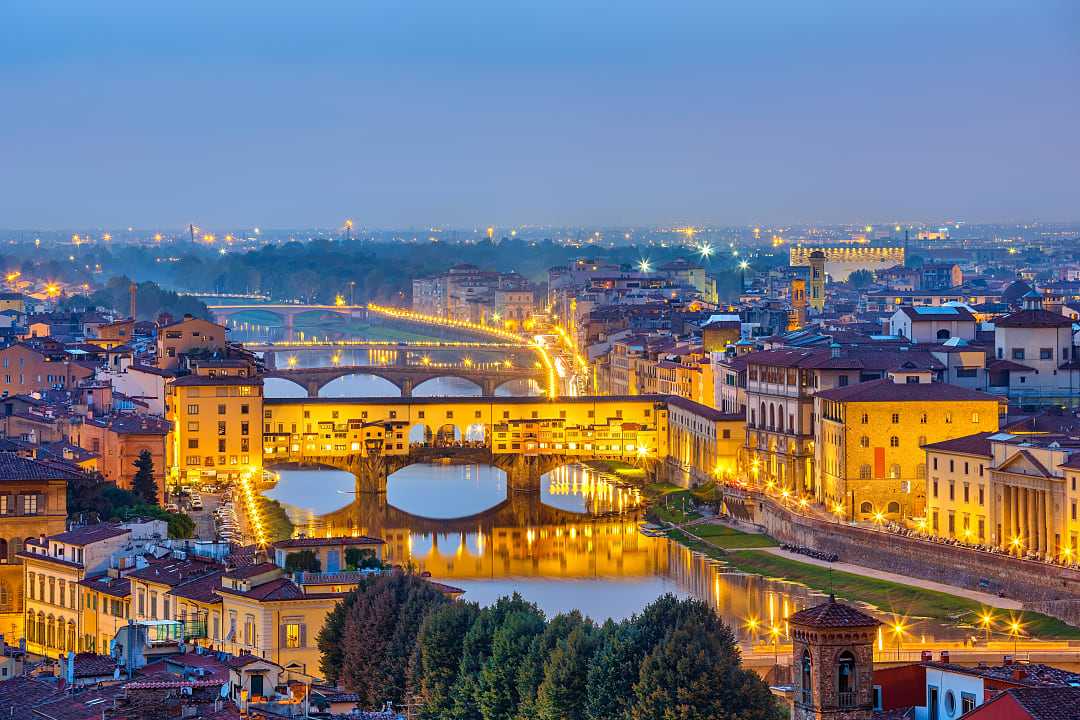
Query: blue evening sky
{"points": [[415, 113]]}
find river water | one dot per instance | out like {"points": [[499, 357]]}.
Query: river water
{"points": [[575, 545]]}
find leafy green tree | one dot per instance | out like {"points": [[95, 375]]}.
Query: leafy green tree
{"points": [[563, 694], [328, 640], [144, 484], [361, 559], [860, 279], [613, 672], [498, 690], [694, 674], [476, 649], [305, 560], [379, 635], [530, 673], [438, 657]]}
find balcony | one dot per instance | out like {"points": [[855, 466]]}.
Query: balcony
{"points": [[846, 699]]}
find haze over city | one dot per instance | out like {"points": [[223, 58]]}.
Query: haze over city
{"points": [[421, 114]]}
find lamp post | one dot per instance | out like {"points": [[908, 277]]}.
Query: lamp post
{"points": [[743, 265]]}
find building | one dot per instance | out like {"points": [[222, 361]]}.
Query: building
{"points": [[1040, 343], [25, 370], [1055, 703], [816, 261], [33, 503], [703, 443], [119, 439], [940, 276], [780, 388], [54, 567], [185, 337], [331, 553], [1022, 486], [929, 324], [840, 261], [215, 426], [870, 437], [832, 661], [112, 335]]}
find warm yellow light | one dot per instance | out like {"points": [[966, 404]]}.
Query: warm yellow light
{"points": [[208, 238], [1016, 542], [157, 237], [879, 517], [292, 361], [106, 237], [986, 618], [838, 509], [339, 300], [752, 623], [52, 289]]}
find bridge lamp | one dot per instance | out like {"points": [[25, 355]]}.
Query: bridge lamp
{"points": [[642, 451], [292, 361]]}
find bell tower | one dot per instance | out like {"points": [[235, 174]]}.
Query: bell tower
{"points": [[817, 280], [833, 662]]}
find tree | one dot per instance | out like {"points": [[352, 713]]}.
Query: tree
{"points": [[379, 634], [329, 638], [563, 693], [144, 485], [361, 559], [498, 696], [694, 674], [530, 674], [305, 560], [438, 658], [613, 672], [860, 279]]}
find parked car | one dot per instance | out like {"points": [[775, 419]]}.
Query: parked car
{"points": [[196, 504], [172, 507]]}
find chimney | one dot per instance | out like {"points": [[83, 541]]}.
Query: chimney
{"points": [[132, 290], [1018, 674], [944, 656]]}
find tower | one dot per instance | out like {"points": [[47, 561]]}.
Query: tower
{"points": [[132, 289], [797, 317], [817, 280], [833, 662]]}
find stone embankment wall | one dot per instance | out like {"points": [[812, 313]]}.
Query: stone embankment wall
{"points": [[1052, 589]]}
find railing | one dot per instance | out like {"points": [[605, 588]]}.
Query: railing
{"points": [[846, 699]]}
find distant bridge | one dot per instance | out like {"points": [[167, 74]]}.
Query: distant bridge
{"points": [[404, 377], [382, 345], [286, 311]]}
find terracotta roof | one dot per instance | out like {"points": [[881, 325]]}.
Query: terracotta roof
{"points": [[202, 590], [1002, 365], [13, 467], [885, 390], [832, 614], [251, 570], [174, 572], [330, 541], [133, 424], [90, 534], [1033, 319], [89, 665], [977, 444], [709, 413], [1025, 674], [277, 589], [1057, 703], [243, 660], [116, 587], [19, 694]]}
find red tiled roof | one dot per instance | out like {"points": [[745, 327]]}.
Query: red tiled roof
{"points": [[832, 614], [885, 390], [251, 570], [89, 534], [277, 589], [1033, 319], [1058, 703], [14, 467], [977, 444], [88, 665]]}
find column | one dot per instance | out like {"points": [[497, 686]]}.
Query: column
{"points": [[1030, 525], [1048, 523], [1022, 518], [1002, 513]]}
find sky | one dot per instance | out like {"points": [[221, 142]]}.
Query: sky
{"points": [[413, 113]]}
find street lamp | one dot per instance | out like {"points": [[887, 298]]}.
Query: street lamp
{"points": [[898, 628], [743, 266], [644, 265], [986, 620], [1015, 628], [752, 624], [774, 632]]}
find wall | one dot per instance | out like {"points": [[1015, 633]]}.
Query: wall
{"points": [[1024, 579]]}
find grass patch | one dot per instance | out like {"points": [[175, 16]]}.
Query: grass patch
{"points": [[697, 544], [886, 595], [659, 489], [669, 507], [724, 537], [621, 470]]}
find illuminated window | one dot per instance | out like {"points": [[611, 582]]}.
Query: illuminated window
{"points": [[292, 635]]}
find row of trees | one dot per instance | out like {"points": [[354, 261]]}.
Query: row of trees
{"points": [[396, 638], [93, 499]]}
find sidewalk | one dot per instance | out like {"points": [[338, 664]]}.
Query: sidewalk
{"points": [[980, 597]]}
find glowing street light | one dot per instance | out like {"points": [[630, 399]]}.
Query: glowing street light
{"points": [[339, 300], [898, 627], [706, 251], [1015, 630], [644, 265], [986, 621], [752, 624]]}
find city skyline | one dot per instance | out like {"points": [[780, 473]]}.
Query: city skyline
{"points": [[427, 115]]}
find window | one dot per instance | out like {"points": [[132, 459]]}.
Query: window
{"points": [[845, 680], [807, 679], [894, 471], [843, 381], [896, 418], [864, 472], [293, 634], [1018, 353], [865, 418], [1046, 353], [894, 441], [30, 504], [193, 409], [948, 418], [864, 441], [967, 702], [967, 372]]}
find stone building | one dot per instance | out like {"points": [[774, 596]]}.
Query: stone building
{"points": [[832, 662]]}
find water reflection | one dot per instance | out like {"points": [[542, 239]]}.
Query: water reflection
{"points": [[567, 547]]}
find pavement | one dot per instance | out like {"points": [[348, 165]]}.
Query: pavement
{"points": [[204, 519], [987, 599]]}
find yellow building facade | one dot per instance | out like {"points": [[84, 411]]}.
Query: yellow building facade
{"points": [[216, 425], [869, 441]]}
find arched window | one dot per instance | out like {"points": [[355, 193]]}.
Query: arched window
{"points": [[772, 416], [894, 508], [867, 507], [845, 680], [864, 441], [807, 679], [943, 334], [4, 550], [6, 597], [763, 414], [865, 419]]}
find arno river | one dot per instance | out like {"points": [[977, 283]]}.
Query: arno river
{"points": [[575, 545]]}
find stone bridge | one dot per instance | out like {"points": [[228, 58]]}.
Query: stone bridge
{"points": [[286, 311], [518, 510], [405, 378], [373, 471]]}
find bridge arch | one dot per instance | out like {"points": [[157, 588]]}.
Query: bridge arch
{"points": [[519, 387], [283, 387], [360, 384], [427, 388]]}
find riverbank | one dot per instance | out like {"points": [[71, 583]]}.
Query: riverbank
{"points": [[754, 553]]}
